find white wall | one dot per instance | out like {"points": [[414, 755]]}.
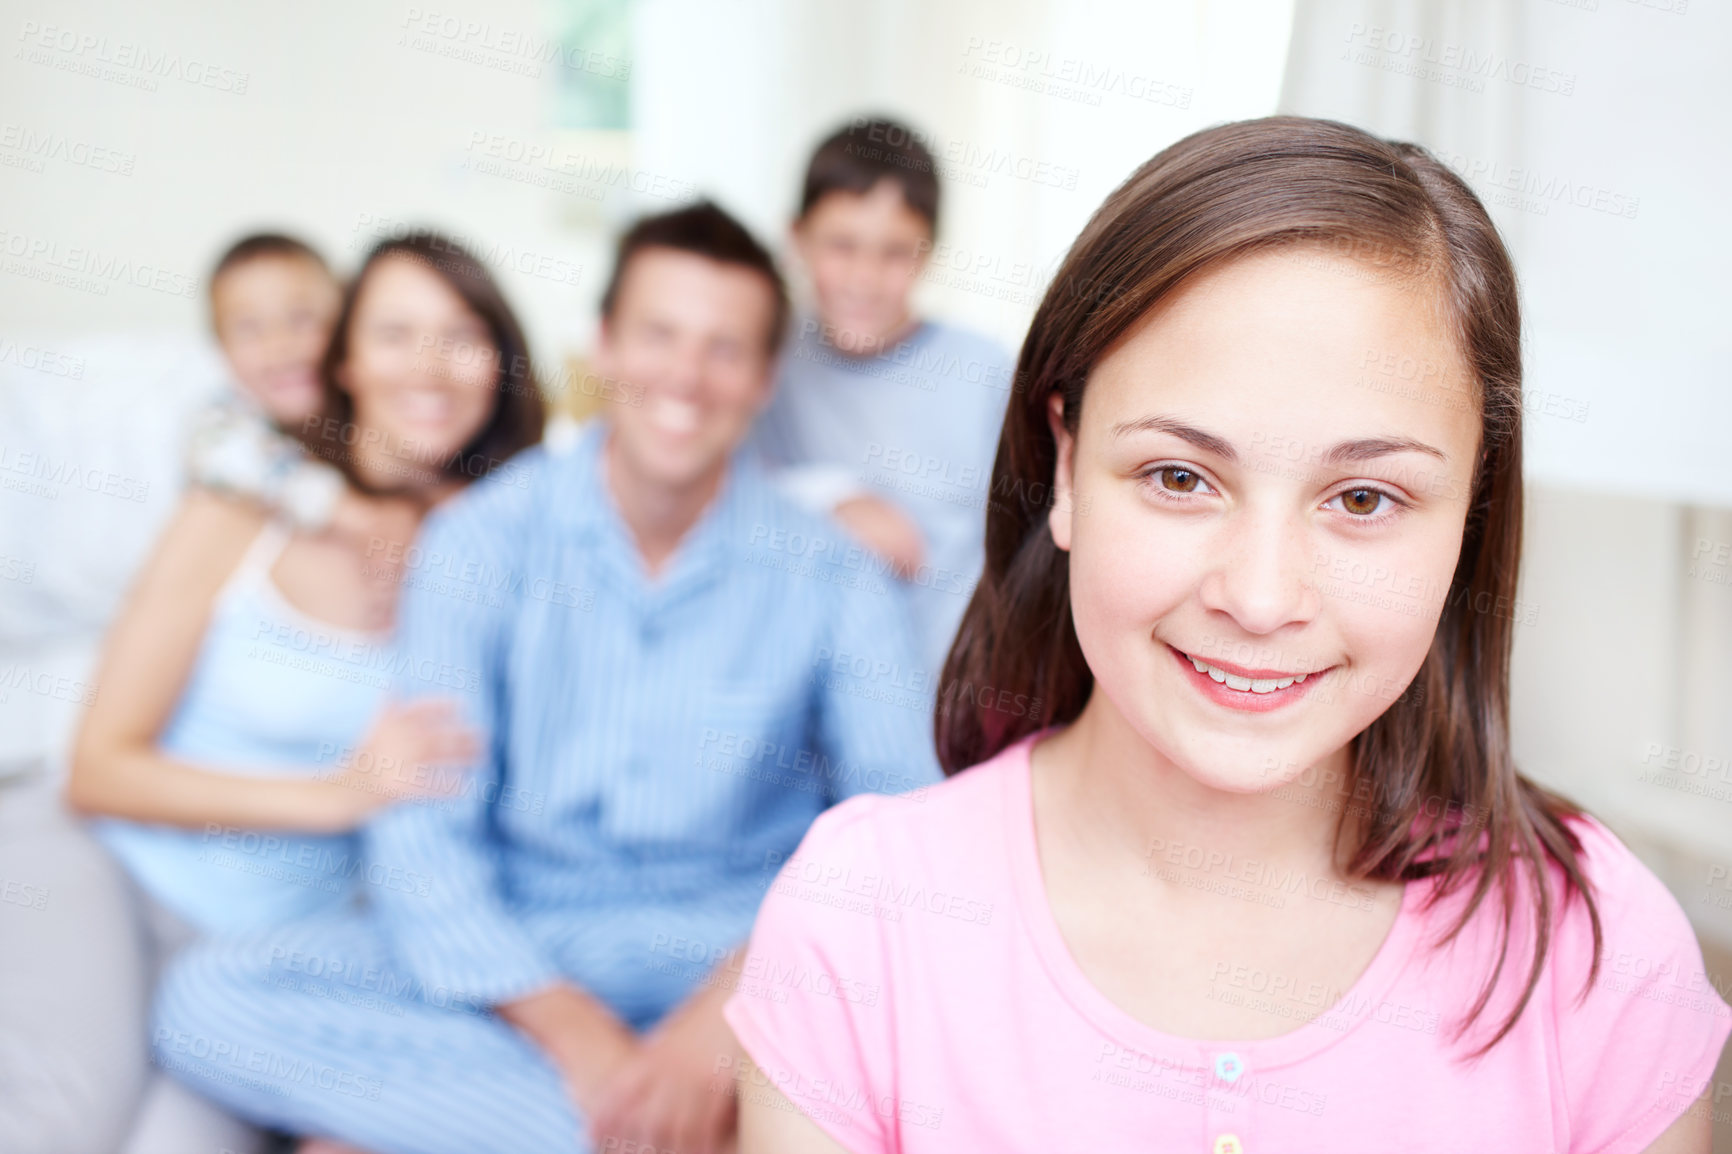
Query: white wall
{"points": [[341, 120]]}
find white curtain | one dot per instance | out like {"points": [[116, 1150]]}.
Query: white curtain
{"points": [[1595, 132]]}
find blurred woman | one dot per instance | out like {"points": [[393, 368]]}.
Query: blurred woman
{"points": [[243, 730]]}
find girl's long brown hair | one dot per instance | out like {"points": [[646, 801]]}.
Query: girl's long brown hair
{"points": [[1396, 211]]}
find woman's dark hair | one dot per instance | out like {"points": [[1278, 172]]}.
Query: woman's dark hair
{"points": [[856, 157], [517, 417], [1211, 198]]}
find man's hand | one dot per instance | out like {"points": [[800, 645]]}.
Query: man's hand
{"points": [[668, 1095], [582, 1038], [884, 529]]}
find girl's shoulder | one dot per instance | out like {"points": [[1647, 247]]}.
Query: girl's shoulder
{"points": [[954, 823], [1632, 902], [1637, 1026], [1632, 1028]]}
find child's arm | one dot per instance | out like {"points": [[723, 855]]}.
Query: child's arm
{"points": [[234, 450], [770, 1124], [118, 770], [886, 530], [878, 524]]}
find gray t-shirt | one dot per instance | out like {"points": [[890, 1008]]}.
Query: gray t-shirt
{"points": [[918, 426]]}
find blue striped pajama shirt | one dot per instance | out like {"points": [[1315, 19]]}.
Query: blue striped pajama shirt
{"points": [[656, 748]]}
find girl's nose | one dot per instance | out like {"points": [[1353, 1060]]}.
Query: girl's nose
{"points": [[1259, 578]]}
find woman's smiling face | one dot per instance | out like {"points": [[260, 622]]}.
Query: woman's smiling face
{"points": [[1269, 480]]}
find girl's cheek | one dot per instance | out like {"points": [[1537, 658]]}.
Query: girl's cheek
{"points": [[1128, 567], [1386, 606]]}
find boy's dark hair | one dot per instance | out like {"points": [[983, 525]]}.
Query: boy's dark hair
{"points": [[872, 149], [702, 229], [264, 244]]}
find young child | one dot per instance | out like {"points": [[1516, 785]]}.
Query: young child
{"points": [[273, 301], [1260, 874], [888, 420]]}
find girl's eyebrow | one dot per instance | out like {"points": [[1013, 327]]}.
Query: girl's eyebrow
{"points": [[1362, 449]]}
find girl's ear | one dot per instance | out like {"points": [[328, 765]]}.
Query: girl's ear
{"points": [[1063, 473]]}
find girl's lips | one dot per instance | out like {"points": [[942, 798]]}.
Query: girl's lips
{"points": [[1247, 700]]}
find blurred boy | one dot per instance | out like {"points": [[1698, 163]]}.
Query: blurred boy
{"points": [[273, 301], [887, 419]]}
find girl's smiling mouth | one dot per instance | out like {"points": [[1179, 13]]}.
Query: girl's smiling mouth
{"points": [[1251, 690]]}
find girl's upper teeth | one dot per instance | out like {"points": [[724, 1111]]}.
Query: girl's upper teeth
{"points": [[1246, 684]]}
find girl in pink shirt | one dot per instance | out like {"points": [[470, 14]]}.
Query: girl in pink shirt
{"points": [[1234, 857]]}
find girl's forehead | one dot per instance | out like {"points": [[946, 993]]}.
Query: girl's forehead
{"points": [[1294, 339]]}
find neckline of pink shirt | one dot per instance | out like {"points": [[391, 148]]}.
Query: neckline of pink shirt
{"points": [[1328, 1028]]}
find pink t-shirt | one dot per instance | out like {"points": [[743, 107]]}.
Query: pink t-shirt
{"points": [[908, 989]]}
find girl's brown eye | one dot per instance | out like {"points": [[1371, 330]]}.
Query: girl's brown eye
{"points": [[1361, 502], [1178, 480]]}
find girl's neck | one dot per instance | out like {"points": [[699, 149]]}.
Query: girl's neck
{"points": [[1107, 788]]}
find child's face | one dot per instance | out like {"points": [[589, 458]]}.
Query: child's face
{"points": [[863, 252], [273, 316], [421, 365], [1249, 488], [688, 337]]}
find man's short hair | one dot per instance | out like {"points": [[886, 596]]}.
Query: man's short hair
{"points": [[869, 150], [702, 229]]}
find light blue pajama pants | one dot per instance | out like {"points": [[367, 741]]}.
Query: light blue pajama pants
{"points": [[313, 1029]]}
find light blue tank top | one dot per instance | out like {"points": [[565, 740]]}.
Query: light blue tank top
{"points": [[272, 693]]}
